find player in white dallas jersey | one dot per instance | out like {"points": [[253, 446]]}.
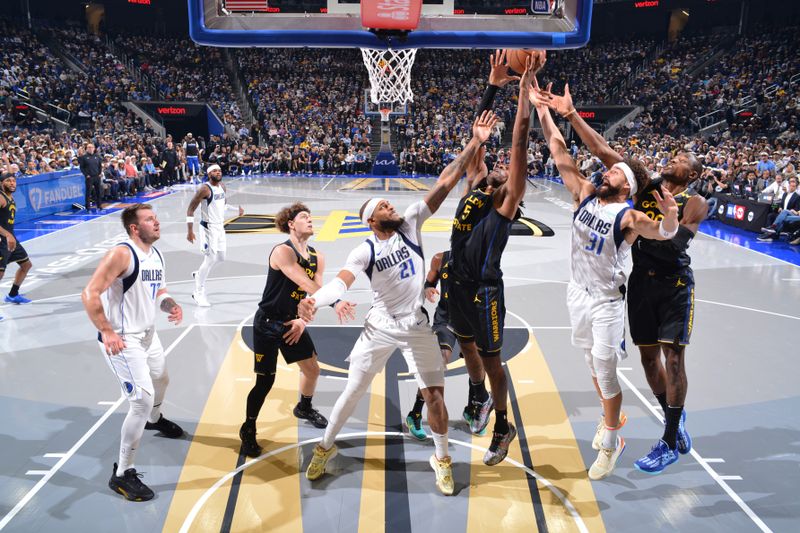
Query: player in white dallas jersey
{"points": [[121, 300], [392, 258], [210, 196], [603, 229]]}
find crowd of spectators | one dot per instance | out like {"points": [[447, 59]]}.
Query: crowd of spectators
{"points": [[185, 71], [310, 110]]}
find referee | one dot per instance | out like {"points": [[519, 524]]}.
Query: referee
{"points": [[91, 166]]}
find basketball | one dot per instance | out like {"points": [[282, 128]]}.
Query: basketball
{"points": [[516, 58]]}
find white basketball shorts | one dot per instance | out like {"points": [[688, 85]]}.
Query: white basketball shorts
{"points": [[598, 322], [412, 335]]}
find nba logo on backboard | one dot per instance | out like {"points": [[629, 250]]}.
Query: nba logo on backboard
{"points": [[740, 212], [541, 6]]}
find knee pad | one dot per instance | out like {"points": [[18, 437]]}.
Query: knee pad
{"points": [[587, 356], [606, 371], [264, 382]]}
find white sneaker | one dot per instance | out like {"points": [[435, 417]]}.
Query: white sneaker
{"points": [[200, 299], [606, 461], [601, 429]]}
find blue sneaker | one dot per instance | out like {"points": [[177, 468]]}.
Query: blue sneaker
{"points": [[414, 425], [658, 459], [684, 440], [18, 299]]}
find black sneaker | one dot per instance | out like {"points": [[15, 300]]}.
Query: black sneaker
{"points": [[167, 428], [129, 485], [250, 445], [312, 415]]}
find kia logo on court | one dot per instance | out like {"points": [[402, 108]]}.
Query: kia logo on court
{"points": [[385, 162]]}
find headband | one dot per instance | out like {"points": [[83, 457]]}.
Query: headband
{"points": [[628, 175], [371, 205], [212, 168]]}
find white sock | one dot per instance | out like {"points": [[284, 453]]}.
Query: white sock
{"points": [[610, 438], [440, 442]]}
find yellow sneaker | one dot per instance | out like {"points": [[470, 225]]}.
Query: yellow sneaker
{"points": [[606, 461], [444, 474], [318, 461]]}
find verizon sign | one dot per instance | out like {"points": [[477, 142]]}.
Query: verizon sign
{"points": [[391, 14], [645, 3]]}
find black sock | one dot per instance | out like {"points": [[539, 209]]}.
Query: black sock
{"points": [[478, 391], [14, 290], [418, 403], [305, 402], [662, 401], [673, 416], [500, 421]]}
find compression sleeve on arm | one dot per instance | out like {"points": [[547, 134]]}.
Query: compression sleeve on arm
{"points": [[329, 293], [488, 98]]}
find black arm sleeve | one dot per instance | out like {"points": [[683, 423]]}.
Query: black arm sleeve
{"points": [[488, 98]]}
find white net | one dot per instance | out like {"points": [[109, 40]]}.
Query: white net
{"points": [[389, 74]]}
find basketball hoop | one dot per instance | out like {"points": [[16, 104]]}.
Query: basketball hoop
{"points": [[389, 74], [385, 112]]}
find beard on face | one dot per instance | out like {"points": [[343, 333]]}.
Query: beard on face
{"points": [[391, 224], [607, 191], [673, 177]]}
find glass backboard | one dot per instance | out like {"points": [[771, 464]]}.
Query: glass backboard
{"points": [[549, 24]]}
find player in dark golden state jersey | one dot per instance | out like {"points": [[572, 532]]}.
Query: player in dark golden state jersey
{"points": [[660, 287], [661, 305], [481, 228], [295, 269], [11, 251]]}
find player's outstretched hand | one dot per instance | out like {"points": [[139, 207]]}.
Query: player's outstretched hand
{"points": [[560, 104], [346, 311], [306, 310], [190, 236], [483, 126], [430, 294], [666, 202], [112, 342], [296, 329], [536, 96], [500, 75]]}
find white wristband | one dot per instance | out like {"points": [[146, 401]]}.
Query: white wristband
{"points": [[161, 298], [329, 293], [190, 220], [664, 233]]}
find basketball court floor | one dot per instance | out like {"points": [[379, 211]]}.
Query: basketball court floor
{"points": [[61, 411]]}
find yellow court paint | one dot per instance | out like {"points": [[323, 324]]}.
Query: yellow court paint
{"points": [[551, 442], [499, 496], [372, 514], [215, 449], [334, 223]]}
